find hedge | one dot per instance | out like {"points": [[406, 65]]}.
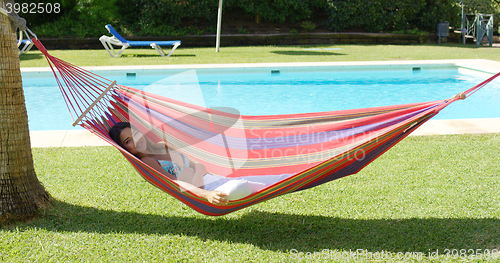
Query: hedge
{"points": [[86, 18], [395, 15]]}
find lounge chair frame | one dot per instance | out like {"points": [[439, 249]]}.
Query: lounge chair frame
{"points": [[28, 44], [117, 40]]}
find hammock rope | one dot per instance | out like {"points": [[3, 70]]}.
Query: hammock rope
{"points": [[480, 85], [314, 147]]}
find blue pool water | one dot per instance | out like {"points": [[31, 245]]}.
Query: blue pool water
{"points": [[262, 91]]}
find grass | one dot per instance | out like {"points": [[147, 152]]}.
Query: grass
{"points": [[266, 54], [427, 194]]}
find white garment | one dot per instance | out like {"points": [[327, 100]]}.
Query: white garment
{"points": [[237, 188]]}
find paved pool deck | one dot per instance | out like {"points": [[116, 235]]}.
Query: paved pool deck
{"points": [[78, 138]]}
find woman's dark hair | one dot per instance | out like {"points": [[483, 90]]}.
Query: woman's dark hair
{"points": [[116, 130]]}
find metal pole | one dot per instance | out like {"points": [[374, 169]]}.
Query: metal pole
{"points": [[462, 4], [219, 24], [462, 28]]}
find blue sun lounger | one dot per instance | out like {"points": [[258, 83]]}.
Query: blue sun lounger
{"points": [[24, 44], [118, 40]]}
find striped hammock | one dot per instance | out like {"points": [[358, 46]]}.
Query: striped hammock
{"points": [[314, 147]]}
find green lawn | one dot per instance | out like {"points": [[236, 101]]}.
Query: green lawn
{"points": [[266, 54], [427, 194]]}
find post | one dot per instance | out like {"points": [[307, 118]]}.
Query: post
{"points": [[463, 24], [479, 29], [490, 30], [219, 22]]}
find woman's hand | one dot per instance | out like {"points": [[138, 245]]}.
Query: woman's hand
{"points": [[216, 197]]}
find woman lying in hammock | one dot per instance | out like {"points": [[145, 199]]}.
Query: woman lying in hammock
{"points": [[189, 174]]}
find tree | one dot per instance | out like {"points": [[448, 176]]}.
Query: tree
{"points": [[21, 194]]}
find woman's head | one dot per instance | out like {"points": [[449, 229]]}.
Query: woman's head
{"points": [[116, 130], [129, 138]]}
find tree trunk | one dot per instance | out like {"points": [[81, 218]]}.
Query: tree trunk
{"points": [[21, 194]]}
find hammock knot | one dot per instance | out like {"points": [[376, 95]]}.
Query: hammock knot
{"points": [[16, 20], [460, 96]]}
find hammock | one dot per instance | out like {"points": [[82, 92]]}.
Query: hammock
{"points": [[315, 147]]}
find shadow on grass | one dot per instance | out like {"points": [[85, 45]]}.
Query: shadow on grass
{"points": [[307, 53], [283, 232], [448, 45], [155, 55], [460, 45], [30, 56]]}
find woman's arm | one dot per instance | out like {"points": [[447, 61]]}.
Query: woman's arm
{"points": [[199, 170], [193, 173], [214, 197]]}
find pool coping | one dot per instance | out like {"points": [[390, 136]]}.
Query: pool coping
{"points": [[78, 138], [483, 65]]}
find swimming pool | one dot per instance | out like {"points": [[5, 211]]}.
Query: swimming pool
{"points": [[281, 90]]}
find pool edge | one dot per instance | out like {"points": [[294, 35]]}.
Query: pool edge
{"points": [[483, 65]]}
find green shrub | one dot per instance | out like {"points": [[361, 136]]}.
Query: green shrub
{"points": [[167, 17], [83, 18], [308, 26], [86, 18], [243, 30], [277, 11], [164, 17], [130, 14], [386, 16], [438, 11]]}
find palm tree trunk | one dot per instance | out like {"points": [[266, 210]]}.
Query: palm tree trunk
{"points": [[21, 194]]}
